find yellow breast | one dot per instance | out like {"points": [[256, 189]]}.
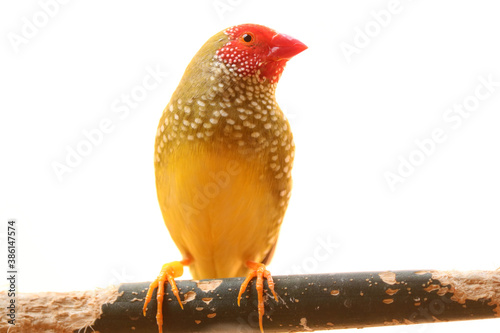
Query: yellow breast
{"points": [[219, 211]]}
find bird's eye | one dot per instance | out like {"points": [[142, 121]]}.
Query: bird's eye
{"points": [[247, 37]]}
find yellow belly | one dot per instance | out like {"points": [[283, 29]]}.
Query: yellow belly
{"points": [[219, 210]]}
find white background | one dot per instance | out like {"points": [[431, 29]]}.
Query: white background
{"points": [[352, 117]]}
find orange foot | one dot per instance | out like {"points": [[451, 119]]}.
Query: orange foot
{"points": [[168, 272], [258, 270]]}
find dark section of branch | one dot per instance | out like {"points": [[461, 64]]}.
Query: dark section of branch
{"points": [[312, 302]]}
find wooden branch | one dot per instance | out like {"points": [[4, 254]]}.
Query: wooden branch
{"points": [[307, 302]]}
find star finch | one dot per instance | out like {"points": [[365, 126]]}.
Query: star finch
{"points": [[223, 160]]}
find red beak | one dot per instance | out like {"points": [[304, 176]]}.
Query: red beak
{"points": [[284, 47]]}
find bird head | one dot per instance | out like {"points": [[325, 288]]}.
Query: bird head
{"points": [[255, 50]]}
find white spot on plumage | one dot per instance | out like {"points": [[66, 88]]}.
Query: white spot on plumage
{"points": [[248, 124]]}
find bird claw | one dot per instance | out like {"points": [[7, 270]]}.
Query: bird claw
{"points": [[260, 272], [168, 272]]}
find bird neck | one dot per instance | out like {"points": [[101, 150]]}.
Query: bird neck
{"points": [[226, 75]]}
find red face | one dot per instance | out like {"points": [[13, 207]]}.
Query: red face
{"points": [[254, 49]]}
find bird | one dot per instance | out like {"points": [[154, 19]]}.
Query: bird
{"points": [[223, 159]]}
